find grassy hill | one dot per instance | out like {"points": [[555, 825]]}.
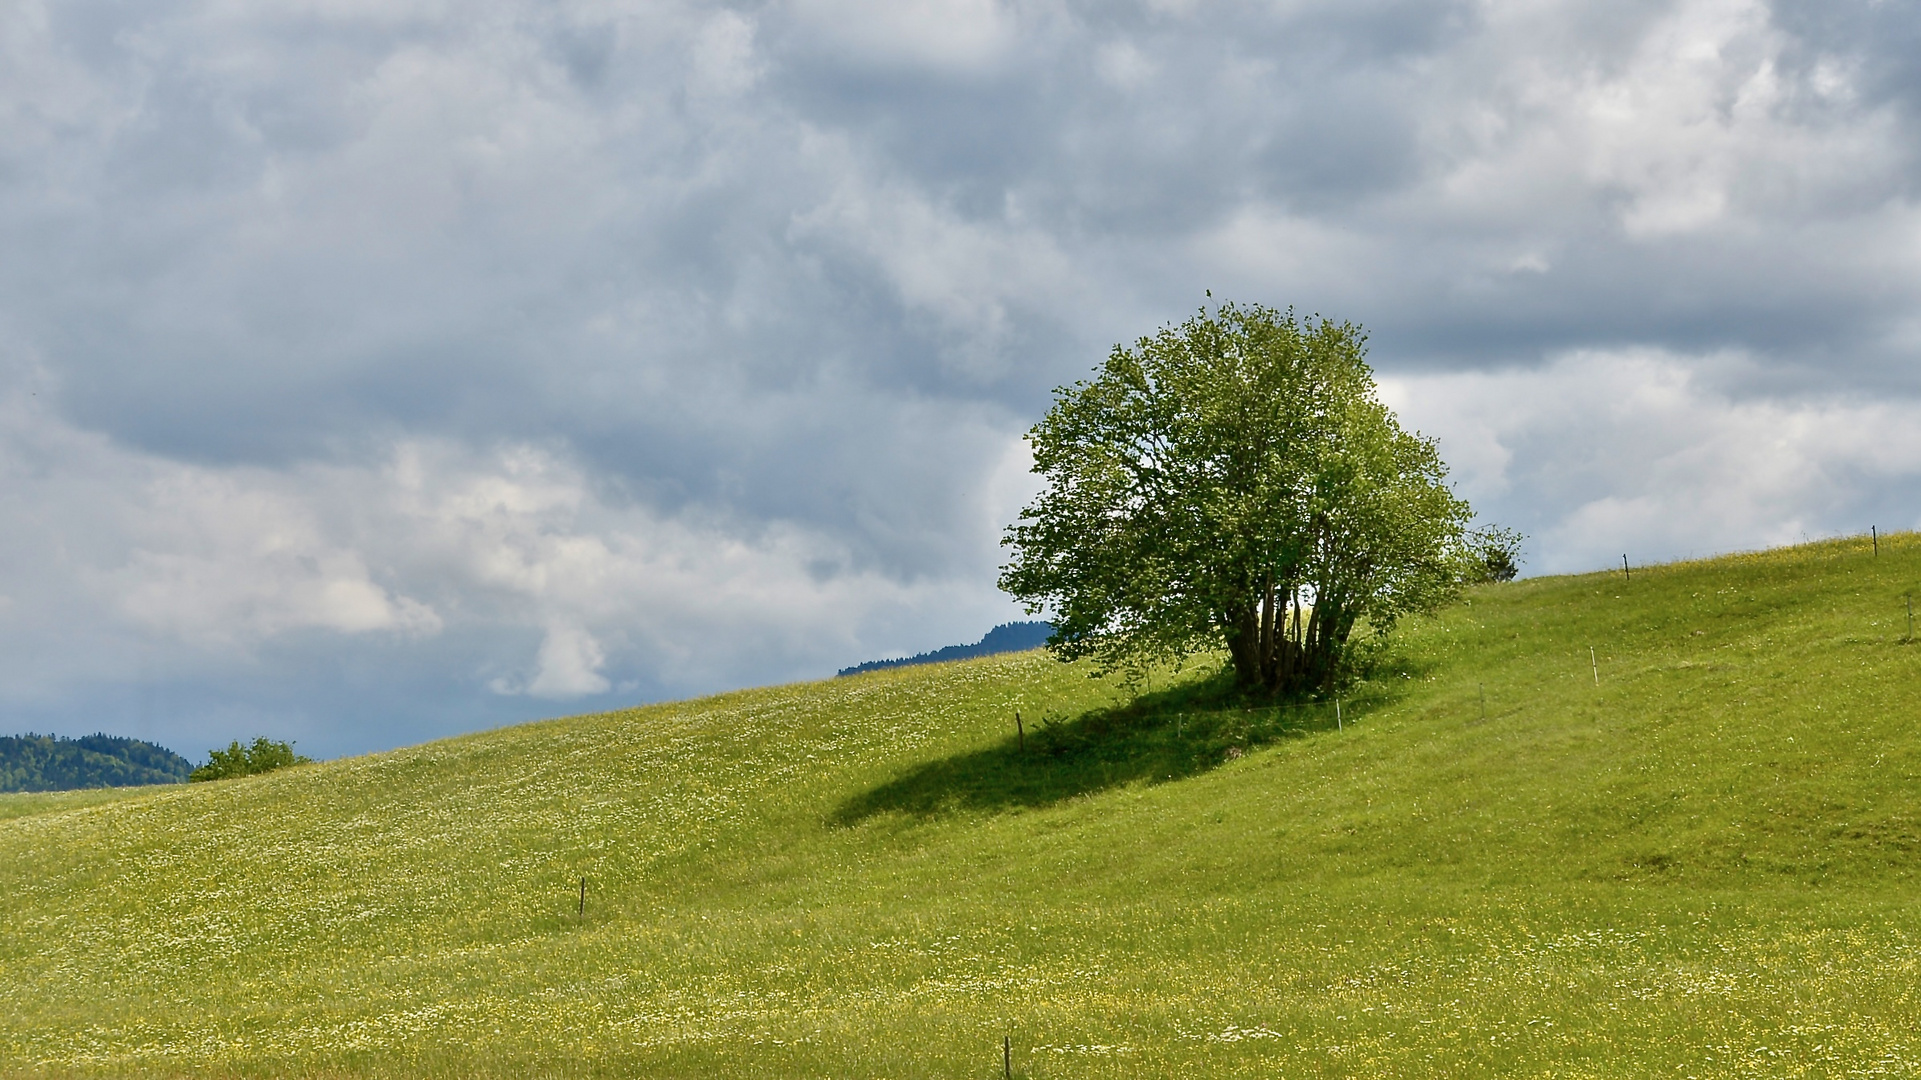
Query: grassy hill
{"points": [[1699, 863]]}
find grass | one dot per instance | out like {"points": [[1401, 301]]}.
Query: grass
{"points": [[23, 803], [1700, 864]]}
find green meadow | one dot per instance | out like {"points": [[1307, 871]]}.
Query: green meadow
{"points": [[1691, 855]]}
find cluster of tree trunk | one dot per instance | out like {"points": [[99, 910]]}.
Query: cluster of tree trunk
{"points": [[1282, 644]]}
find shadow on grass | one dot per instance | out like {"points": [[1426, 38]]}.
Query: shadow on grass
{"points": [[1155, 738]]}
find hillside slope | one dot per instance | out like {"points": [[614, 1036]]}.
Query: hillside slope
{"points": [[1693, 857]]}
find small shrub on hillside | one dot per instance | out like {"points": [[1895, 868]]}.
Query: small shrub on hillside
{"points": [[265, 755], [1498, 554]]}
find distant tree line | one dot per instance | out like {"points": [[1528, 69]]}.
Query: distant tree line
{"points": [[55, 763], [1005, 638]]}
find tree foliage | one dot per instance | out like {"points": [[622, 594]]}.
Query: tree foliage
{"points": [[1235, 482], [238, 759], [55, 763], [1498, 554]]}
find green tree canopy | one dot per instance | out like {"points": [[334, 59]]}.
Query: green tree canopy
{"points": [[264, 755], [1234, 481]]}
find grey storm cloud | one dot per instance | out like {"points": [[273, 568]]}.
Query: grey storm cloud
{"points": [[375, 371]]}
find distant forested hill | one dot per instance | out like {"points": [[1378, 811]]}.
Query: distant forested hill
{"points": [[54, 763], [1007, 637]]}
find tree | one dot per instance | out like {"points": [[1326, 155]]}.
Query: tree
{"points": [[1499, 553], [1234, 482], [264, 755]]}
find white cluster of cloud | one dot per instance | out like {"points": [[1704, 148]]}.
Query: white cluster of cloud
{"points": [[219, 564], [1639, 449], [379, 370]]}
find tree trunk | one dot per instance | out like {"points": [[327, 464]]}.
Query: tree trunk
{"points": [[1243, 633], [1268, 670]]}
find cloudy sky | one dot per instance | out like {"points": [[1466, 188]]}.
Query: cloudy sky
{"points": [[372, 370]]}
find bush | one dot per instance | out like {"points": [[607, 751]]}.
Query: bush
{"points": [[1497, 554], [265, 755]]}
